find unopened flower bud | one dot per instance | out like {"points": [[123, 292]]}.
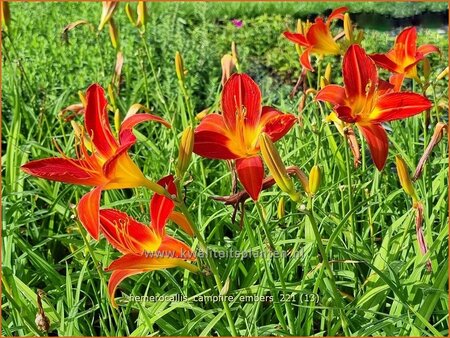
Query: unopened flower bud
{"points": [[228, 63], [113, 34], [299, 26], [111, 96], [359, 36], [180, 219], [281, 208], [327, 74], [405, 180], [323, 82], [442, 74], [314, 179], [348, 28], [117, 121], [276, 167], [130, 14], [6, 15], [82, 98], [200, 116], [141, 15], [185, 151], [179, 67]]}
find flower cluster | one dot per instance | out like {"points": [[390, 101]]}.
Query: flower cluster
{"points": [[103, 162]]}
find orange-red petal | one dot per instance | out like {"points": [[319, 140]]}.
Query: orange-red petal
{"points": [[130, 122], [129, 265], [173, 248], [345, 114], [116, 277], [337, 13], [384, 62], [148, 263], [88, 211], [296, 38], [62, 170], [275, 123], [333, 94], [179, 219], [320, 39], [96, 121], [241, 97], [384, 87], [360, 73], [378, 143], [161, 206], [110, 164], [397, 81], [428, 49], [405, 45], [395, 106], [126, 234], [305, 60], [250, 172], [168, 183], [212, 139]]}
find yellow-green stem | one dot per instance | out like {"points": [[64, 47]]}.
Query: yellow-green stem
{"points": [[350, 194]]}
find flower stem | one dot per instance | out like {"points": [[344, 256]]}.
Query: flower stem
{"points": [[156, 188], [350, 193], [319, 71], [350, 206]]}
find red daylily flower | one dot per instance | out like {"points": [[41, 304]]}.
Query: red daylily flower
{"points": [[403, 58], [368, 101], [144, 248], [234, 134], [317, 38], [107, 166]]}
